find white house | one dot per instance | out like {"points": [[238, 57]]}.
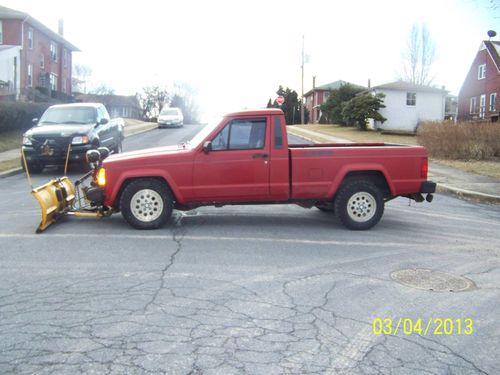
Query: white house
{"points": [[408, 104]]}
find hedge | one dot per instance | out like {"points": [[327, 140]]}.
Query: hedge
{"points": [[18, 115]]}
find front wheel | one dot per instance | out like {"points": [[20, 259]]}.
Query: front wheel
{"points": [[146, 203], [359, 205]]}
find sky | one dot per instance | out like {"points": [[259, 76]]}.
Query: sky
{"points": [[237, 53]]}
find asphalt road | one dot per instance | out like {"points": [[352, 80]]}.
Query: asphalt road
{"points": [[245, 289]]}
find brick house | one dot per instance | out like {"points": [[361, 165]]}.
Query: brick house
{"points": [[318, 95], [478, 98], [32, 56]]}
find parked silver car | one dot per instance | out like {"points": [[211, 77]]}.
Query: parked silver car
{"points": [[170, 117]]}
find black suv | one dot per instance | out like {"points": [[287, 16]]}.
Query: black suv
{"points": [[84, 126]]}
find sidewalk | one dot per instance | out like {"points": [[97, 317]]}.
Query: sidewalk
{"points": [[449, 180], [132, 127]]}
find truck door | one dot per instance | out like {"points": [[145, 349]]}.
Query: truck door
{"points": [[237, 167]]}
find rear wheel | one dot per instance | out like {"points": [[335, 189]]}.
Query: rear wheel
{"points": [[359, 204], [146, 203]]}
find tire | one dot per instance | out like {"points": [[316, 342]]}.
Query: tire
{"points": [[359, 205], [146, 203]]}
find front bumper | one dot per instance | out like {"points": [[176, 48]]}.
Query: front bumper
{"points": [[165, 124], [56, 156]]}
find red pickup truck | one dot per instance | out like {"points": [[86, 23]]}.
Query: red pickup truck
{"points": [[246, 159]]}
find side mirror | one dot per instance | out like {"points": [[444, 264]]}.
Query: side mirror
{"points": [[103, 121], [34, 121], [207, 147]]}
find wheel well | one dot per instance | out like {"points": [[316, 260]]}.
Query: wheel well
{"points": [[375, 177], [131, 179]]}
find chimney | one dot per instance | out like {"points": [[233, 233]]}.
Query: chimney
{"points": [[60, 24], [369, 83], [314, 82]]}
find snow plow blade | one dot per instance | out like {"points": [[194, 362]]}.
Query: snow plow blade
{"points": [[55, 198]]}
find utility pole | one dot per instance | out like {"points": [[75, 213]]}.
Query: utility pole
{"points": [[302, 97]]}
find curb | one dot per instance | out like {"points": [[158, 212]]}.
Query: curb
{"points": [[142, 129], [468, 195], [11, 172]]}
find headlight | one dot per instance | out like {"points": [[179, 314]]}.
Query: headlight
{"points": [[26, 141], [101, 177], [80, 140]]}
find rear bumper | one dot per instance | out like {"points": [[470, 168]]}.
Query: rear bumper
{"points": [[428, 187]]}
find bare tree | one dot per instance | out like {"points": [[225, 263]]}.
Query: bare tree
{"points": [[419, 56], [81, 74], [102, 89], [185, 98], [152, 100]]}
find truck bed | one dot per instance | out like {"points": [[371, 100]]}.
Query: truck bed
{"points": [[313, 168]]}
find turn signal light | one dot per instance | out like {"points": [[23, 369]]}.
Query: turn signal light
{"points": [[101, 177], [424, 168]]}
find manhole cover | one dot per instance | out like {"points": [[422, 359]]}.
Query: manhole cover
{"points": [[432, 280]]}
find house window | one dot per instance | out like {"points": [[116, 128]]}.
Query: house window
{"points": [[493, 99], [482, 105], [42, 62], [472, 106], [1, 32], [326, 94], [29, 76], [481, 72], [53, 82], [411, 98], [63, 87], [53, 51], [30, 38]]}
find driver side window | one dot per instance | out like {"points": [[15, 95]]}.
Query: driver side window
{"points": [[245, 134]]}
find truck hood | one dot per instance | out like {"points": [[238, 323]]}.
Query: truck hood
{"points": [[60, 130], [156, 151]]}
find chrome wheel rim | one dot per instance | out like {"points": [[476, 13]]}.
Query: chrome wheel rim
{"points": [[361, 207], [146, 205]]}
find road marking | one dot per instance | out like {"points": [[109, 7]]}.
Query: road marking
{"points": [[210, 238]]}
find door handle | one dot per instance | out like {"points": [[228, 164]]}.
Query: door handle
{"points": [[261, 156]]}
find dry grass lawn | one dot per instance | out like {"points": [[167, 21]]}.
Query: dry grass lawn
{"points": [[9, 164], [490, 168], [10, 140], [361, 136]]}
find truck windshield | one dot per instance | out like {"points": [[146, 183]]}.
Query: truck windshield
{"points": [[69, 115], [203, 133]]}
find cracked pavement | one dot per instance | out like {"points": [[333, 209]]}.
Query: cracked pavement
{"points": [[244, 290]]}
